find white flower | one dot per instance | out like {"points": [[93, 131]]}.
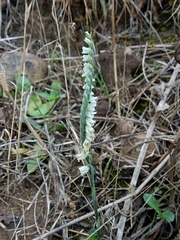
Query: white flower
{"points": [[87, 39], [89, 101], [83, 170], [85, 50], [87, 58], [88, 51], [84, 153], [81, 156], [89, 128]]}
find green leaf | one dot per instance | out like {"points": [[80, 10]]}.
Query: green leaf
{"points": [[103, 4], [34, 123], [103, 85], [22, 83], [157, 190], [107, 165], [152, 202], [159, 215], [45, 108], [56, 86], [56, 91], [44, 95], [169, 216], [53, 96], [34, 104], [35, 101], [1, 92], [60, 127], [32, 165], [36, 108], [93, 233]]}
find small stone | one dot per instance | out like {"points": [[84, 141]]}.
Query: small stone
{"points": [[36, 69]]}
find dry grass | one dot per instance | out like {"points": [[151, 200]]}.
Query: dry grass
{"points": [[136, 148]]}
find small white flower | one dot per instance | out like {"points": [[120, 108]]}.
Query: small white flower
{"points": [[83, 170], [88, 75], [87, 40], [82, 156], [87, 50], [88, 35], [88, 58], [86, 144], [89, 130], [90, 124]]}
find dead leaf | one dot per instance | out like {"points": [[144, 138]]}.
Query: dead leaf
{"points": [[131, 148], [20, 151], [123, 127]]}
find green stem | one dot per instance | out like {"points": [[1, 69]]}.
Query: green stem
{"points": [[94, 197]]}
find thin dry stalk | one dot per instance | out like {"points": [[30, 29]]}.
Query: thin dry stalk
{"points": [[54, 14], [143, 63], [114, 60], [5, 87], [161, 106], [27, 13]]}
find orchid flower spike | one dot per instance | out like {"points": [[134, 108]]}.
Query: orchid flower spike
{"points": [[89, 101]]}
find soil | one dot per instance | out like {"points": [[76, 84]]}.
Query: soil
{"points": [[33, 204], [127, 64], [18, 205]]}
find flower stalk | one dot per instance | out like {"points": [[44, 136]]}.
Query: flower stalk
{"points": [[87, 122]]}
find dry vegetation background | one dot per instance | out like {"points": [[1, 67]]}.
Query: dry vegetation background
{"points": [[136, 149]]}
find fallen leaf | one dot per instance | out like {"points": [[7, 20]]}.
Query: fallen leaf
{"points": [[131, 148]]}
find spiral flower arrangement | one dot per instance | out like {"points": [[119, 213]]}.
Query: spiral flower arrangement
{"points": [[89, 100], [87, 122]]}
